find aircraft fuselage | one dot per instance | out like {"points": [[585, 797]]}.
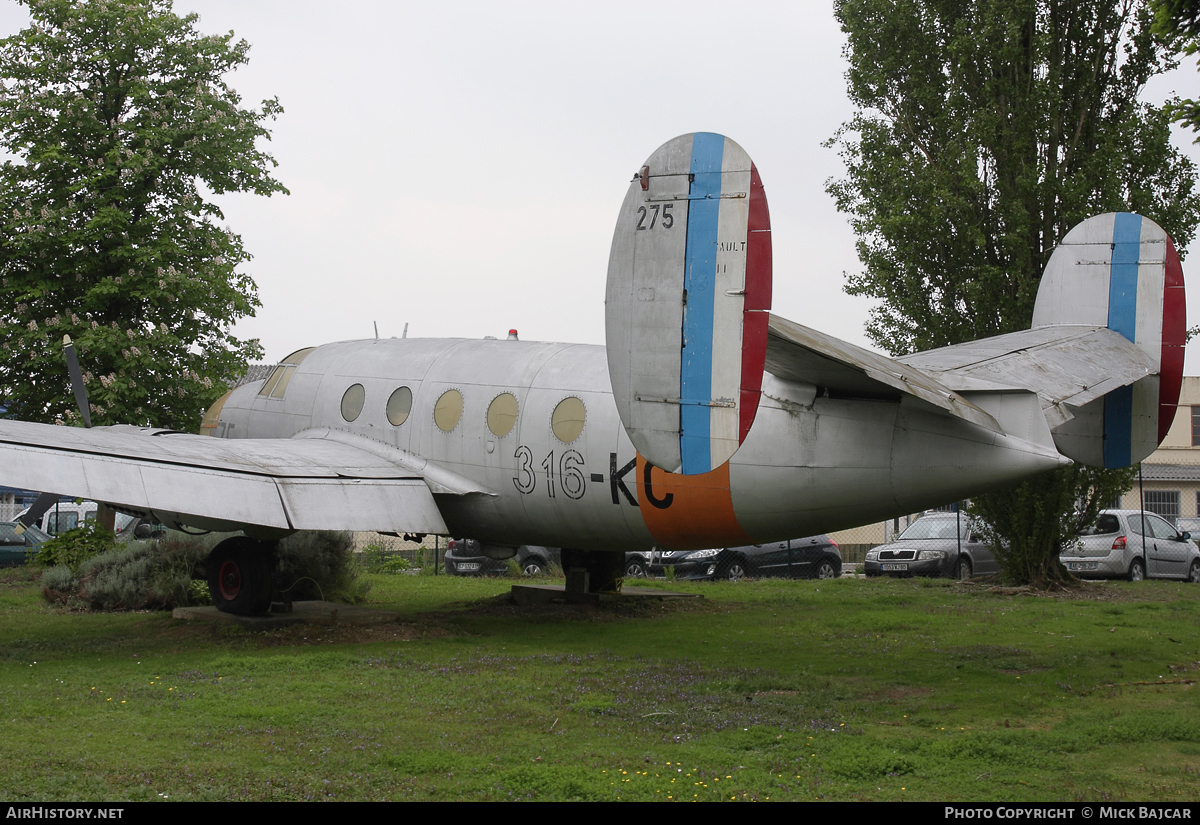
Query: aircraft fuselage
{"points": [[810, 464]]}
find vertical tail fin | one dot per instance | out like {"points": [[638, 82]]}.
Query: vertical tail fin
{"points": [[1120, 271], [686, 309]]}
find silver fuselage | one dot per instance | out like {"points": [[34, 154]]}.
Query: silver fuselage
{"points": [[810, 463]]}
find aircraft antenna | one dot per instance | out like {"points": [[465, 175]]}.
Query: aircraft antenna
{"points": [[376, 323], [405, 333]]}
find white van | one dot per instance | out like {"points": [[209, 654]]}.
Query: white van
{"points": [[69, 514]]}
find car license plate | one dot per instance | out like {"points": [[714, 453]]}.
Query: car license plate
{"points": [[893, 566], [1082, 565], [468, 565]]}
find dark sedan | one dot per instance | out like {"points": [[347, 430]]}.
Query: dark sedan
{"points": [[13, 547], [463, 558], [813, 557], [938, 544]]}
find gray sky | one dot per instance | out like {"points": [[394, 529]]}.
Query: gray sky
{"points": [[459, 166]]}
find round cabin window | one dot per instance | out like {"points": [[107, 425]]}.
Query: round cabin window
{"points": [[448, 410], [567, 420], [399, 405], [502, 414], [352, 402]]}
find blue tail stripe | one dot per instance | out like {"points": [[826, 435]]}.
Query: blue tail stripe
{"points": [[1122, 318], [695, 377], [1118, 427], [1123, 275]]}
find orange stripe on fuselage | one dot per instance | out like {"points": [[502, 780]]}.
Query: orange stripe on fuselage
{"points": [[688, 512]]}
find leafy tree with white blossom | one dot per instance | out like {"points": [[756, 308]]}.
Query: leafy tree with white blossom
{"points": [[119, 127]]}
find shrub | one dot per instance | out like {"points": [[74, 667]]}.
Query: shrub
{"points": [[319, 564], [59, 583], [375, 558], [76, 546], [136, 576]]}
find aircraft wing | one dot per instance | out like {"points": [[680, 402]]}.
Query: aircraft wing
{"points": [[799, 353], [320, 479]]}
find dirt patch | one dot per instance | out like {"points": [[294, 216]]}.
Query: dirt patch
{"points": [[1093, 591]]}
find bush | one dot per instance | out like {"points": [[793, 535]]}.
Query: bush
{"points": [[376, 559], [319, 564], [76, 546], [137, 576]]}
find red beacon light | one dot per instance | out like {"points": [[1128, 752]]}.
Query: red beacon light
{"points": [[512, 335]]}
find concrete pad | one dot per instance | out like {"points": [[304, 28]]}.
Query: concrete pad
{"points": [[314, 612], [530, 594]]}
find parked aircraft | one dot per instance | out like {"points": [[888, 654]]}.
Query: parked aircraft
{"points": [[705, 422]]}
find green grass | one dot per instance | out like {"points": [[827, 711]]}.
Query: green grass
{"points": [[845, 690]]}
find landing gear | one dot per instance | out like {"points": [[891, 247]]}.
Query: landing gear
{"points": [[239, 576], [592, 571]]}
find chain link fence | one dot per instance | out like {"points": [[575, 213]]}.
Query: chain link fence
{"points": [[856, 541], [420, 555]]}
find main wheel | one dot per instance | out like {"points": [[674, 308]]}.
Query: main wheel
{"points": [[1194, 572], [1137, 570], [635, 570], [533, 567], [239, 577], [826, 570], [736, 571], [963, 568]]}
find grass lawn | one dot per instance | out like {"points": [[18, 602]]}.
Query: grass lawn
{"points": [[845, 689]]}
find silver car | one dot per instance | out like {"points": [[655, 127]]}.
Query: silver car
{"points": [[1135, 545]]}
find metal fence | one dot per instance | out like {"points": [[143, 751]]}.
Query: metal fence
{"points": [[420, 554]]}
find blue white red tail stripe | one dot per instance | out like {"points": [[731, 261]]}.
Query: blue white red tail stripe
{"points": [[695, 377]]}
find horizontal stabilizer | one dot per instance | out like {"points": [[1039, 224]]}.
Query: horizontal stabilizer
{"points": [[1064, 365], [799, 353], [302, 483]]}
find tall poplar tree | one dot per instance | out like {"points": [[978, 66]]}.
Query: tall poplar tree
{"points": [[984, 130], [120, 127]]}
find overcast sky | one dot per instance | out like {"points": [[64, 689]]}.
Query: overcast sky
{"points": [[459, 166]]}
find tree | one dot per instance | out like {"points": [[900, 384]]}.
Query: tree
{"points": [[120, 126], [984, 130], [1179, 22]]}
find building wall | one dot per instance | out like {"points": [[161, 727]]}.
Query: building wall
{"points": [[1182, 450]]}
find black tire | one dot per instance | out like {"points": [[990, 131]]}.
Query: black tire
{"points": [[735, 571], [826, 570], [963, 569], [1194, 572], [1137, 570], [635, 570], [533, 566], [239, 577]]}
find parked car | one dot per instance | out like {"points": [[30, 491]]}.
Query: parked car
{"points": [[1189, 524], [936, 544], [812, 557], [69, 514], [1135, 545], [463, 558], [13, 547], [639, 565]]}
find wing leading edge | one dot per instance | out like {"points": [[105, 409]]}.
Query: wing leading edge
{"points": [[320, 479]]}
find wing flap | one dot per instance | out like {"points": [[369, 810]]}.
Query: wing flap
{"points": [[799, 353]]}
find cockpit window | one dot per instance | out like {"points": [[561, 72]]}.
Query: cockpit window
{"points": [[277, 382]]}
